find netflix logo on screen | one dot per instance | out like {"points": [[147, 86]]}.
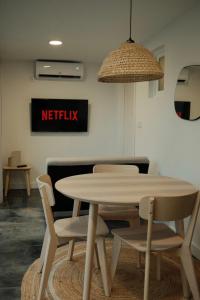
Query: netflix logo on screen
{"points": [[49, 114], [59, 115]]}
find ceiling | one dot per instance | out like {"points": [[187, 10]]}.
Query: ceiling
{"points": [[88, 28]]}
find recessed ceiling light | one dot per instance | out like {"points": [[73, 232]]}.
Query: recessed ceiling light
{"points": [[55, 43]]}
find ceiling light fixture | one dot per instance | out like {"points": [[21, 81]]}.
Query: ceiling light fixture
{"points": [[55, 43], [130, 63]]}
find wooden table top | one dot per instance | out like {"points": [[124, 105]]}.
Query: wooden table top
{"points": [[17, 168], [118, 188]]}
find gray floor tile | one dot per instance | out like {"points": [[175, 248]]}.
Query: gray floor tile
{"points": [[10, 293], [21, 234]]}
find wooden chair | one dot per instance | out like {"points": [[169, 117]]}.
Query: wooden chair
{"points": [[118, 212], [153, 168], [159, 237], [65, 230]]}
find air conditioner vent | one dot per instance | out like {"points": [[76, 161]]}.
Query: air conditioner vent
{"points": [[183, 76], [57, 70], [60, 76]]}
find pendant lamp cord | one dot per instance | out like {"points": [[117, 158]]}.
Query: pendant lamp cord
{"points": [[130, 40]]}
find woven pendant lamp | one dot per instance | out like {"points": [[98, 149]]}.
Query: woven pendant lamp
{"points": [[130, 63]]}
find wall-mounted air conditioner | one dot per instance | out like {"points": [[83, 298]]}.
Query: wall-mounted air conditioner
{"points": [[56, 70], [183, 77]]}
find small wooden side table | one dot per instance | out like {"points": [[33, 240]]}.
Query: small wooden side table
{"points": [[25, 170]]}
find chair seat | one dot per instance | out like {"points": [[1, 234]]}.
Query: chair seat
{"points": [[77, 227], [118, 212], [163, 237]]}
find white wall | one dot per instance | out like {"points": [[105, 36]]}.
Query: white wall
{"points": [[1, 179], [164, 137], [18, 87]]}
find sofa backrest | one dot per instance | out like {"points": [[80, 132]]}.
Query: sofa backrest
{"points": [[60, 167]]}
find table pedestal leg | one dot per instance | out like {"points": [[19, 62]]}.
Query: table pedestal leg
{"points": [[7, 179], [92, 223]]}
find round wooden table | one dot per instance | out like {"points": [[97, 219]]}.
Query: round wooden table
{"points": [[115, 188]]}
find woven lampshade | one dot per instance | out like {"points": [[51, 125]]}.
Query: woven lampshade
{"points": [[130, 63]]}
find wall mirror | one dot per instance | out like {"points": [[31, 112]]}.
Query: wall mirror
{"points": [[187, 93]]}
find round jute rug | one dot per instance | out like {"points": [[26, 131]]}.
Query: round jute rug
{"points": [[66, 278]]}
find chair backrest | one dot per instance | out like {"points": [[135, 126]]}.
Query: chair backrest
{"points": [[115, 168], [49, 190], [168, 208], [153, 168], [46, 192]]}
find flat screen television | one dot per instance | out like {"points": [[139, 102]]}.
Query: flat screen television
{"points": [[59, 115]]}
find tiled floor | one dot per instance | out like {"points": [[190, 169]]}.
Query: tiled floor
{"points": [[21, 233]]}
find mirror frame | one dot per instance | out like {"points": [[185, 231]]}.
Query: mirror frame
{"points": [[197, 118]]}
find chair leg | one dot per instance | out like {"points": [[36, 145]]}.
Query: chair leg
{"points": [[104, 266], [139, 260], [96, 258], [70, 250], [43, 251], [117, 243], [146, 278], [27, 179], [185, 285], [158, 264], [49, 257], [132, 224], [187, 262], [7, 180]]}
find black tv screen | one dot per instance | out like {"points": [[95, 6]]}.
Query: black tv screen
{"points": [[59, 115]]}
